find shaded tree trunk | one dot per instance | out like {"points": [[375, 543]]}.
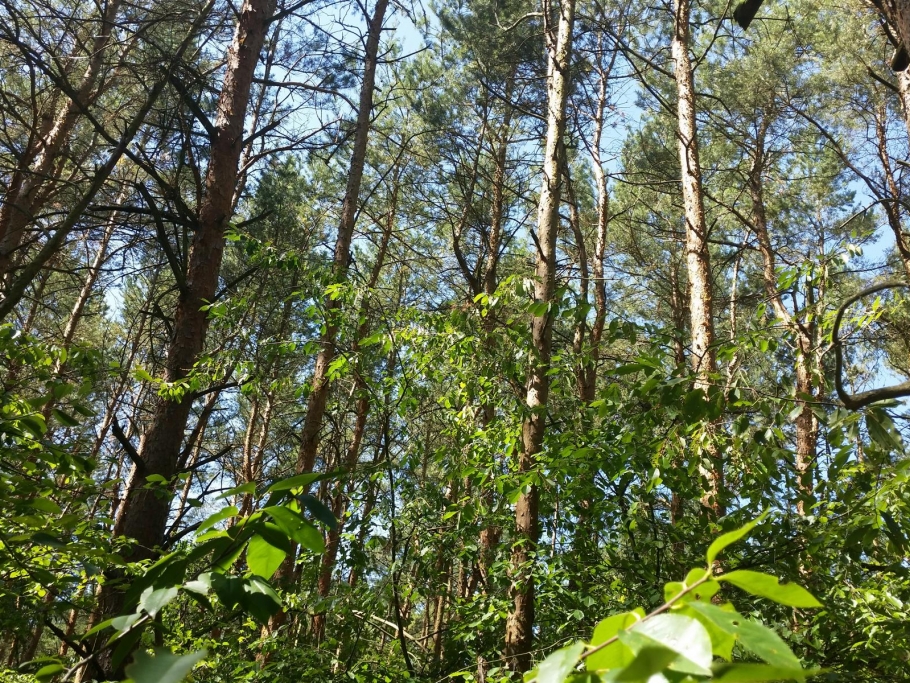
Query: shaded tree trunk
{"points": [[320, 385], [361, 412], [807, 360]]}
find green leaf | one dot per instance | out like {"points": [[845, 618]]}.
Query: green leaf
{"points": [[46, 673], [46, 505], [153, 601], [107, 623], [35, 424], [893, 531], [722, 641], [672, 590], [538, 309], [43, 538], [318, 510], [297, 528], [683, 635], [615, 655], [224, 558], [766, 586], [229, 589], [262, 557], [731, 537], [557, 667], [124, 623], [757, 638], [259, 599], [221, 515], [628, 369], [648, 663], [274, 534], [65, 419], [756, 673], [163, 666], [249, 487], [297, 482], [882, 430], [201, 585]]}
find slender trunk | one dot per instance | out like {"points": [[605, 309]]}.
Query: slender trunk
{"points": [[145, 514], [246, 467], [678, 313], [91, 278], [20, 209], [71, 620], [491, 533], [258, 454], [316, 403], [892, 202], [807, 360], [319, 391], [703, 357], [595, 272], [31, 648], [88, 286], [440, 609], [903, 89], [519, 638], [361, 413], [581, 261], [600, 248]]}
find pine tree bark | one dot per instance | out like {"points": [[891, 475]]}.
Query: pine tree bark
{"points": [[320, 385], [491, 534], [319, 392], [703, 357], [144, 515], [519, 639], [361, 412]]}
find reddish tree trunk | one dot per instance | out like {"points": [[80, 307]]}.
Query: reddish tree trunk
{"points": [[145, 513]]}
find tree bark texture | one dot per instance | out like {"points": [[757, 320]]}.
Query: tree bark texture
{"points": [[703, 356], [320, 385], [146, 510], [807, 360], [361, 412], [520, 624], [319, 392]]}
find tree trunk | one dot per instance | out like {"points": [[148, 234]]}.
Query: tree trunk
{"points": [[520, 625], [807, 361], [491, 534], [43, 161], [361, 411], [703, 356], [892, 203], [319, 391], [145, 514]]}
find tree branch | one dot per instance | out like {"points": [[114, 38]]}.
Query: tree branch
{"points": [[865, 398]]}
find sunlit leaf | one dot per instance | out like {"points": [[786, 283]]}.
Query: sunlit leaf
{"points": [[731, 537], [262, 557], [766, 586], [557, 667]]}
